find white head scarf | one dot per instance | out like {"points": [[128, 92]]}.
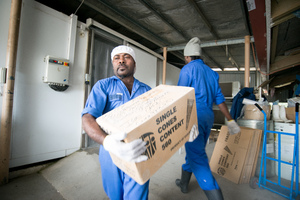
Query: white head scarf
{"points": [[122, 49]]}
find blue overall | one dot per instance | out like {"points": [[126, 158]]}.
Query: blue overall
{"points": [[106, 95], [207, 91]]}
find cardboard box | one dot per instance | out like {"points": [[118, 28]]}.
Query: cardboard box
{"points": [[163, 117], [235, 156], [285, 127], [292, 101], [253, 113], [291, 114]]}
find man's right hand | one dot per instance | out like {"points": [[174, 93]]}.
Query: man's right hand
{"points": [[131, 151]]}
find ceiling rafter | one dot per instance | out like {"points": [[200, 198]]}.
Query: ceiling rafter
{"points": [[211, 29], [167, 21], [105, 9], [177, 29], [163, 18]]}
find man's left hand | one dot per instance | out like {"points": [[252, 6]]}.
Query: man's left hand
{"points": [[233, 127], [194, 133]]}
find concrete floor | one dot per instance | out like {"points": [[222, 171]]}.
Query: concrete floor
{"points": [[78, 177]]}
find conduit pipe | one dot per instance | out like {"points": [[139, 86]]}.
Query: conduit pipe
{"points": [[214, 43], [247, 61], [8, 89], [164, 66]]}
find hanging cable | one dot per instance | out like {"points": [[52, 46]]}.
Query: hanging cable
{"points": [[226, 48], [78, 7]]}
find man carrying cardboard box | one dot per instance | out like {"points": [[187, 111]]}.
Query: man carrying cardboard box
{"points": [[207, 91], [106, 95]]}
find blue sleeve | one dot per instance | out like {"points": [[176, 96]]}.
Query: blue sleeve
{"points": [[96, 101], [184, 78], [219, 95]]}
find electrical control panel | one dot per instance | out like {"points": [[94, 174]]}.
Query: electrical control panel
{"points": [[57, 71]]}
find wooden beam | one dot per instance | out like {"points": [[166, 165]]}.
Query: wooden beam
{"points": [[282, 8], [285, 63], [286, 76], [247, 61], [8, 89], [281, 20], [274, 43], [164, 66], [258, 24], [280, 80]]}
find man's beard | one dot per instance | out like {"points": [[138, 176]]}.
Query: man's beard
{"points": [[124, 75]]}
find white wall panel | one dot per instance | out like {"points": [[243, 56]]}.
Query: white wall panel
{"points": [[172, 73], [145, 67], [46, 123]]}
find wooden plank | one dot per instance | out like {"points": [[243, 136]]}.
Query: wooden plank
{"points": [[285, 62], [281, 8], [274, 43], [251, 158]]}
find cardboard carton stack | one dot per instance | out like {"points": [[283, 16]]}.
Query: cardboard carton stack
{"points": [[235, 156], [253, 113], [163, 117], [291, 114]]}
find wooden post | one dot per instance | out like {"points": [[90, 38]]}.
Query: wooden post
{"points": [[247, 61], [164, 66], [8, 89]]}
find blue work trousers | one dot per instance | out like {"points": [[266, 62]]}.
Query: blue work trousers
{"points": [[118, 185], [196, 160]]}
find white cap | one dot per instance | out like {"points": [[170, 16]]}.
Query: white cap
{"points": [[122, 49], [193, 48]]}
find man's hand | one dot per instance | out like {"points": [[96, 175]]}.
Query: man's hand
{"points": [[194, 133], [131, 151], [233, 127]]}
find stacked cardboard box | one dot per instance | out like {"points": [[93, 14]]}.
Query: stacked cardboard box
{"points": [[163, 117], [253, 113], [291, 114], [235, 156]]}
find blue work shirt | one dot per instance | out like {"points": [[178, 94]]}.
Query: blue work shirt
{"points": [[204, 80], [106, 95], [110, 93]]}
